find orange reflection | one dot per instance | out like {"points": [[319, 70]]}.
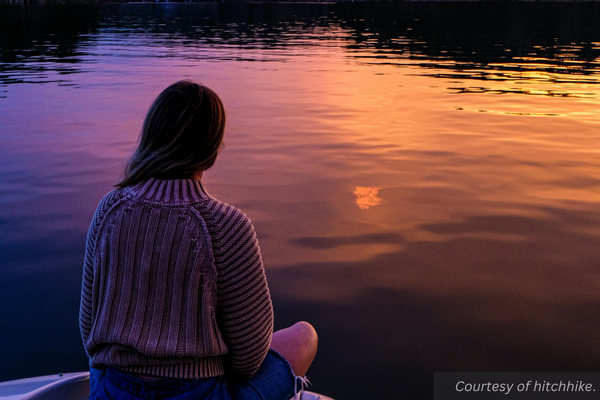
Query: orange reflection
{"points": [[366, 197]]}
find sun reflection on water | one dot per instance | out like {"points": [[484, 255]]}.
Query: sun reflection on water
{"points": [[366, 197]]}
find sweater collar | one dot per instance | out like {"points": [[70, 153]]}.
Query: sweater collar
{"points": [[172, 191]]}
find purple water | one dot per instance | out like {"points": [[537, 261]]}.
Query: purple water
{"points": [[424, 179]]}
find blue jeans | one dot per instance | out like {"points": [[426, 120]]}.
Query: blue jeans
{"points": [[274, 380]]}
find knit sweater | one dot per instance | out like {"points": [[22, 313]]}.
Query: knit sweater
{"points": [[173, 284]]}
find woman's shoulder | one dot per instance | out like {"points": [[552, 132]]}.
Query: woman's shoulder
{"points": [[111, 198], [218, 210], [223, 216], [107, 202]]}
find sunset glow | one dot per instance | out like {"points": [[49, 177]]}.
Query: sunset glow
{"points": [[431, 170]]}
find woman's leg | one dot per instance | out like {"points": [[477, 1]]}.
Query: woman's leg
{"points": [[274, 380], [298, 344]]}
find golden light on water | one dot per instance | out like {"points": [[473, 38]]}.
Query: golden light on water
{"points": [[366, 197]]}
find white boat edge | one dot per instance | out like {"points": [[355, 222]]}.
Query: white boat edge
{"points": [[70, 386]]}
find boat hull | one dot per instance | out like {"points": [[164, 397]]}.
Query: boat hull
{"points": [[70, 386]]}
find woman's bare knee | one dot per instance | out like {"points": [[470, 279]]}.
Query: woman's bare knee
{"points": [[298, 344]]}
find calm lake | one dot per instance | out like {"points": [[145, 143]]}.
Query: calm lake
{"points": [[424, 178]]}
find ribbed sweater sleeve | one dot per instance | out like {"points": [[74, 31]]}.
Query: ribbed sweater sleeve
{"points": [[244, 308], [85, 306]]}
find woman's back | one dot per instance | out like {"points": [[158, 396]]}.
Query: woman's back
{"points": [[169, 260]]}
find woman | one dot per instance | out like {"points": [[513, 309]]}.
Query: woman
{"points": [[174, 300]]}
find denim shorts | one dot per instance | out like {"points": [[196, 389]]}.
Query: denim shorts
{"points": [[274, 380]]}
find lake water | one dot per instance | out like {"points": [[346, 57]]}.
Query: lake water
{"points": [[424, 178]]}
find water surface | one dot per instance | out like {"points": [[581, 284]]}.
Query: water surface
{"points": [[424, 179]]}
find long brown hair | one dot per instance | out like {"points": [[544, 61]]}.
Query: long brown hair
{"points": [[182, 135]]}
